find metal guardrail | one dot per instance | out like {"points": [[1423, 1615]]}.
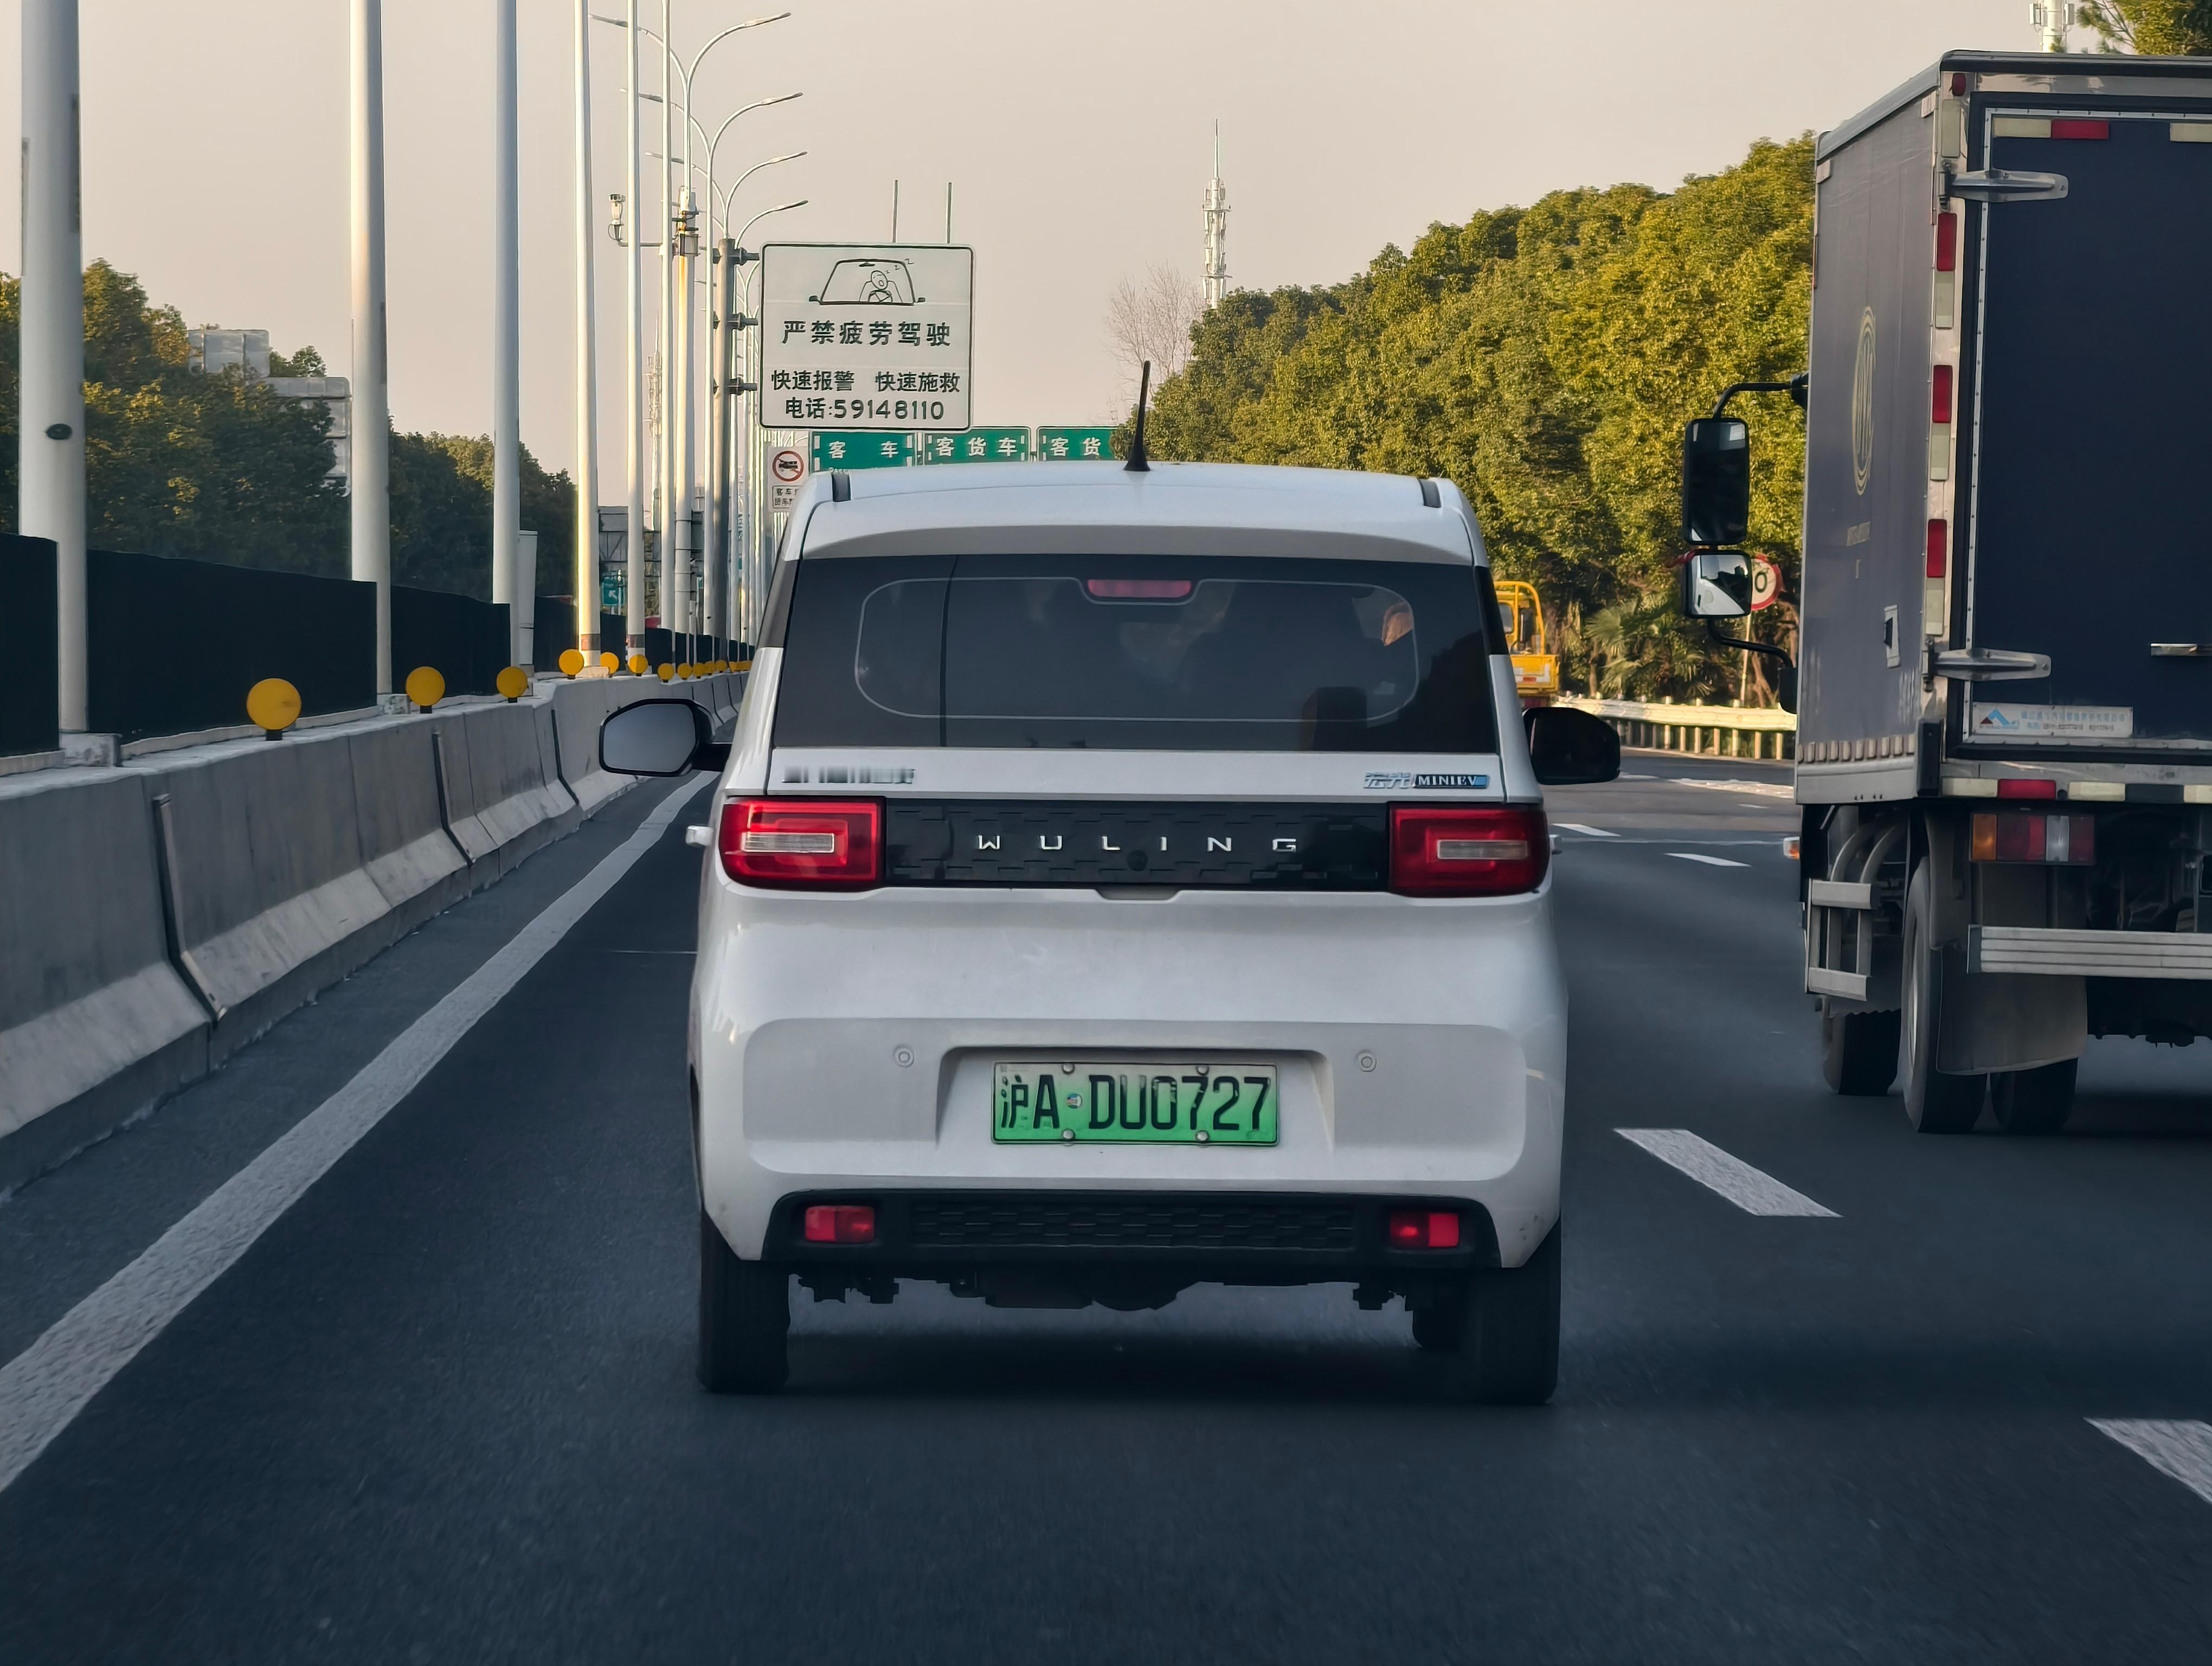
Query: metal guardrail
{"points": [[1714, 731]]}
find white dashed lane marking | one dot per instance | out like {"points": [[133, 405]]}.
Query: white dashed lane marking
{"points": [[1709, 862], [2182, 1450], [1753, 1192], [1592, 832], [1771, 789]]}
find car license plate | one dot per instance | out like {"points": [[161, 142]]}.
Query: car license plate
{"points": [[1069, 1102]]}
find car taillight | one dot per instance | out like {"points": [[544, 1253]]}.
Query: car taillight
{"points": [[1454, 852], [800, 844]]}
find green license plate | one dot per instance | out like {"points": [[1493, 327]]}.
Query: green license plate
{"points": [[1170, 1104]]}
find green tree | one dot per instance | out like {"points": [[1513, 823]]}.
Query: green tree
{"points": [[1545, 358], [2181, 28], [179, 463], [441, 515]]}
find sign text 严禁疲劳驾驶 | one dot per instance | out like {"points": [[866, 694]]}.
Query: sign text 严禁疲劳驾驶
{"points": [[874, 336]]}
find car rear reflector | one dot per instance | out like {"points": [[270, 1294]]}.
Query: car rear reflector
{"points": [[1939, 549], [2065, 128], [799, 844], [1450, 851], [1424, 1229], [2024, 788], [1138, 590], [840, 1223]]}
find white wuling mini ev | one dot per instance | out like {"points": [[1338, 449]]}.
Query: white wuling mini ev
{"points": [[1120, 880]]}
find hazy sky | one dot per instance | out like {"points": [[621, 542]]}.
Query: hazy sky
{"points": [[1076, 136]]}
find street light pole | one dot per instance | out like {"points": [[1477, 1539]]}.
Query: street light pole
{"points": [[754, 561], [586, 552], [509, 584], [50, 457], [370, 427], [634, 348]]}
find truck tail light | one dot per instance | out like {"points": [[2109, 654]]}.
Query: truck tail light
{"points": [[1939, 549], [2030, 835], [1436, 851], [797, 844]]}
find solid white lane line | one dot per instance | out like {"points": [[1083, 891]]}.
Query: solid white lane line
{"points": [[2182, 1450], [1594, 832], [1752, 1191], [1709, 862], [45, 1387]]}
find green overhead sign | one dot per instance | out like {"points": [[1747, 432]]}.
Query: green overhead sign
{"points": [[834, 450], [978, 445], [1075, 445]]}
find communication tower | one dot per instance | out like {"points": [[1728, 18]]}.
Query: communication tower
{"points": [[1217, 230]]}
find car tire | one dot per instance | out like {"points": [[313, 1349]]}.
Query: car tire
{"points": [[1438, 1327], [1501, 1343], [1858, 1051], [1934, 1101], [744, 1318], [2036, 1101]]}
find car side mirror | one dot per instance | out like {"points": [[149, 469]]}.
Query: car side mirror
{"points": [[1716, 584], [1715, 482], [660, 738], [1571, 748]]}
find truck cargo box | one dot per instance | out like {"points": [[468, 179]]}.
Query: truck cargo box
{"points": [[2009, 453]]}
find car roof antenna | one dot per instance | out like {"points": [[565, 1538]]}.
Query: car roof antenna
{"points": [[1138, 463]]}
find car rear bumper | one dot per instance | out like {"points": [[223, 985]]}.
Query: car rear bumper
{"points": [[843, 1048]]}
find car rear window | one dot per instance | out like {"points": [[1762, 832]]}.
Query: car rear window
{"points": [[1130, 653]]}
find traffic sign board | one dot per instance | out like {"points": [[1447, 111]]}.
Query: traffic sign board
{"points": [[786, 471], [978, 445], [862, 450], [1765, 583], [1057, 445], [867, 336]]}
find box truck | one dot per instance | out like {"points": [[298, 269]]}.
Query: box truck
{"points": [[2004, 676]]}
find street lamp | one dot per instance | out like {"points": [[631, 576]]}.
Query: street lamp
{"points": [[754, 560]]}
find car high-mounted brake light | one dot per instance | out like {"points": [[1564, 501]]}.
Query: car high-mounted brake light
{"points": [[1138, 590], [800, 844], [1438, 850]]}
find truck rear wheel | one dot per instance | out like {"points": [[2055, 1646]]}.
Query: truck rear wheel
{"points": [[1934, 1101], [1858, 1051], [2036, 1101]]}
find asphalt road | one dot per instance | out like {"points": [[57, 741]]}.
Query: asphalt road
{"points": [[442, 1410]]}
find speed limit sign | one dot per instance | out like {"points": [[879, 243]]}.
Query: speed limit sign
{"points": [[786, 468], [1765, 582]]}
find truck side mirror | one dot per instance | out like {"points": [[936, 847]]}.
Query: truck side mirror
{"points": [[1716, 584], [1715, 482]]}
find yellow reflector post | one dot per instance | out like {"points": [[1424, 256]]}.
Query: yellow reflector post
{"points": [[572, 661], [514, 682], [610, 662], [273, 705], [637, 665], [425, 687], [667, 672]]}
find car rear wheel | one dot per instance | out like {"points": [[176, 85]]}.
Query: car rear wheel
{"points": [[1937, 1103], [1499, 1337], [744, 1318], [2036, 1101], [1858, 1051]]}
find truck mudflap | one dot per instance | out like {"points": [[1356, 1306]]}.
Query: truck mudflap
{"points": [[2049, 952]]}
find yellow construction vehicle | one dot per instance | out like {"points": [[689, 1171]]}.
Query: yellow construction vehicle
{"points": [[1536, 667]]}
